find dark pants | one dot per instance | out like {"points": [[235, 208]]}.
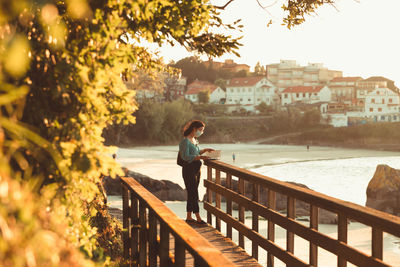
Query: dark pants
{"points": [[191, 176]]}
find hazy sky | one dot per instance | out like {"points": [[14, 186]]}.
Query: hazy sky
{"points": [[361, 38]]}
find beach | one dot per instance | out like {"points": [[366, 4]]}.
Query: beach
{"points": [[283, 163]]}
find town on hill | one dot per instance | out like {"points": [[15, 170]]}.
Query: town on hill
{"points": [[341, 101]]}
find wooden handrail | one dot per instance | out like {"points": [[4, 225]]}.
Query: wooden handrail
{"points": [[144, 240], [379, 221]]}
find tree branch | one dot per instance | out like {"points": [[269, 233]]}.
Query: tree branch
{"points": [[224, 6]]}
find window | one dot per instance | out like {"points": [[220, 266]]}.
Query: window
{"points": [[373, 100], [304, 94], [383, 118], [241, 99], [286, 95], [249, 100], [379, 109], [390, 100], [297, 95], [231, 90], [383, 101], [249, 89], [371, 110]]}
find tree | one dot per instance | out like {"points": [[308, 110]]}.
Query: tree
{"points": [[61, 64], [204, 96], [221, 83], [263, 108]]}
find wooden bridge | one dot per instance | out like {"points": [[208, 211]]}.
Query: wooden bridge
{"points": [[155, 236]]}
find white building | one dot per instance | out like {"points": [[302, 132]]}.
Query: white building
{"points": [[216, 93], [251, 91], [305, 94], [382, 104]]}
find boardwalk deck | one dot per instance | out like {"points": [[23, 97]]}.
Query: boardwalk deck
{"points": [[232, 251]]}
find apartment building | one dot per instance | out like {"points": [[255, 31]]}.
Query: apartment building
{"points": [[364, 87], [343, 89], [288, 73], [305, 94]]}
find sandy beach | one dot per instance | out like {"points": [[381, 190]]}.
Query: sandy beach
{"points": [[159, 162]]}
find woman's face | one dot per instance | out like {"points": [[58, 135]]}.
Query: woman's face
{"points": [[198, 131]]}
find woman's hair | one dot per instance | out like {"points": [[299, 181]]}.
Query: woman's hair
{"points": [[195, 124]]}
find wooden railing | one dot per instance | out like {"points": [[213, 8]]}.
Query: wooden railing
{"points": [[150, 228], [380, 222]]}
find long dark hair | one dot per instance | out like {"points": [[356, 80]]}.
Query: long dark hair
{"points": [[195, 124]]}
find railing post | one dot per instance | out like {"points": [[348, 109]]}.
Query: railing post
{"points": [[291, 211], [314, 226], [342, 236], [377, 243], [134, 228], [271, 226], [179, 252], [241, 211], [152, 239], [229, 205], [125, 222], [256, 195], [209, 194], [164, 245], [142, 234], [218, 199]]}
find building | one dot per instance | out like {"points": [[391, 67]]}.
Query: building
{"points": [[216, 93], [343, 89], [364, 87], [305, 94], [228, 65], [174, 87], [382, 104], [251, 91], [288, 73]]}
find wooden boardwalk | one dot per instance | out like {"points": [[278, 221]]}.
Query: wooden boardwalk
{"points": [[231, 250]]}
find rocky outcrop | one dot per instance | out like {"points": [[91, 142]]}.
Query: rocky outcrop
{"points": [[302, 208], [163, 189], [383, 191]]}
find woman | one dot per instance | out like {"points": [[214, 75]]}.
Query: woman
{"points": [[190, 152]]}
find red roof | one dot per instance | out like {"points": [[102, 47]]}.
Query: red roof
{"points": [[195, 87], [244, 81], [345, 79], [303, 89]]}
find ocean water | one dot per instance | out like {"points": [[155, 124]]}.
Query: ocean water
{"points": [[346, 179]]}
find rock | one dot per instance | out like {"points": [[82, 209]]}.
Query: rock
{"points": [[383, 191], [163, 189]]}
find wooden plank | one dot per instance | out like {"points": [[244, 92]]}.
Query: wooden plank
{"points": [[218, 199], [271, 226], [241, 211], [228, 205], [142, 234], [152, 239], [313, 225], [342, 236], [335, 246], [125, 221], [256, 196], [195, 244], [209, 194], [291, 215], [289, 259], [377, 243], [372, 217]]}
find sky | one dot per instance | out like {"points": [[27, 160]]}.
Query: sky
{"points": [[358, 37]]}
